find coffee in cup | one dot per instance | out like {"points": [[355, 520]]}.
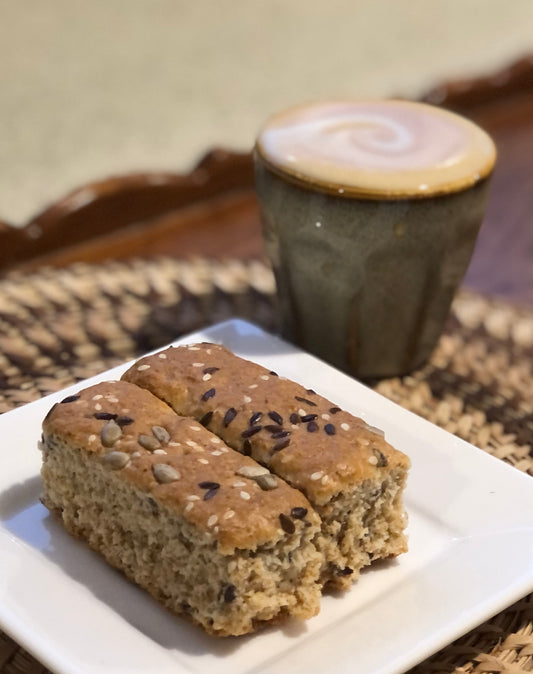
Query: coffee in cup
{"points": [[370, 213]]}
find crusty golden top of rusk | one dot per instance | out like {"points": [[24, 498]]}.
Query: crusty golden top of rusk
{"points": [[312, 443], [179, 464]]}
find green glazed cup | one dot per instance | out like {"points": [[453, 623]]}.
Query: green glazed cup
{"points": [[367, 265]]}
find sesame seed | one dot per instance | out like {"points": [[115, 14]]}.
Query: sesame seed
{"points": [[248, 432], [229, 416], [195, 428], [253, 386], [265, 377], [207, 484], [382, 459], [373, 460], [105, 416], [206, 419], [325, 479], [301, 412], [345, 426], [211, 370], [135, 455], [286, 524], [189, 507], [298, 513], [216, 441], [325, 417], [113, 399], [318, 224], [141, 368], [215, 530], [212, 520], [317, 475], [229, 594], [192, 497], [239, 483], [204, 461], [229, 514], [193, 348], [70, 399], [247, 399], [206, 377], [276, 417], [159, 451], [92, 437], [245, 495], [162, 356], [124, 421], [98, 406], [191, 443], [305, 400], [216, 452], [198, 364], [174, 444], [255, 417], [281, 444], [98, 396]]}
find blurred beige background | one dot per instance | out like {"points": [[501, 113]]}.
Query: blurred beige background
{"points": [[91, 89]]}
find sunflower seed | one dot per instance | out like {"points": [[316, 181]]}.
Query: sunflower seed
{"points": [[252, 471], [116, 460], [161, 434], [148, 442], [267, 481], [110, 433], [164, 473]]}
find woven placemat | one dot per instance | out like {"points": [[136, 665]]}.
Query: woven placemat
{"points": [[62, 326]]}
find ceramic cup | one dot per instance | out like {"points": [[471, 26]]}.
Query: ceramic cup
{"points": [[370, 213]]}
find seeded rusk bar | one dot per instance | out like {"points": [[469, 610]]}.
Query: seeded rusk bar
{"points": [[207, 531], [353, 478]]}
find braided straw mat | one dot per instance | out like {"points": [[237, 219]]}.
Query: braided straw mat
{"points": [[61, 326]]}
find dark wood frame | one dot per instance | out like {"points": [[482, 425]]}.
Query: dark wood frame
{"points": [[212, 211]]}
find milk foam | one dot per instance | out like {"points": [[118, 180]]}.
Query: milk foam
{"points": [[383, 148]]}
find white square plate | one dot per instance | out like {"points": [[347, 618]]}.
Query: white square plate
{"points": [[471, 555]]}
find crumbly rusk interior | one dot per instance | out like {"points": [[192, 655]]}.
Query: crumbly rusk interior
{"points": [[352, 477], [205, 530]]}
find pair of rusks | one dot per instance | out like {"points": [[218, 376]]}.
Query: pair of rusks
{"points": [[231, 494]]}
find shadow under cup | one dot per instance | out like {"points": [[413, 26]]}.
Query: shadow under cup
{"points": [[366, 284]]}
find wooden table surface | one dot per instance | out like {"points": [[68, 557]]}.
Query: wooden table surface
{"points": [[212, 212]]}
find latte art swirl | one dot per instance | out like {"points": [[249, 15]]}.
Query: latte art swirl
{"points": [[394, 148]]}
